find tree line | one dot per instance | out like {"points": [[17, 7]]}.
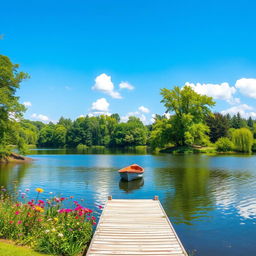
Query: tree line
{"points": [[190, 123]]}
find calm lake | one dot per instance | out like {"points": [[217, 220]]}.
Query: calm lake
{"points": [[211, 200]]}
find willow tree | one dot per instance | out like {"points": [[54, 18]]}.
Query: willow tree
{"points": [[188, 108], [243, 140], [10, 108]]}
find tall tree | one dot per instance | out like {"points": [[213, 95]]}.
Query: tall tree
{"points": [[10, 108], [218, 125], [189, 108]]}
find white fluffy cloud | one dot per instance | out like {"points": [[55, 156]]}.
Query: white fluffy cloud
{"points": [[244, 110], [104, 84], [40, 117], [27, 104], [144, 109], [126, 85], [221, 91], [247, 86], [100, 105]]}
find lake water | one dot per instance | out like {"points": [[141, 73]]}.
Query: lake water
{"points": [[211, 200]]}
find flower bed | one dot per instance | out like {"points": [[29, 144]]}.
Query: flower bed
{"points": [[46, 225]]}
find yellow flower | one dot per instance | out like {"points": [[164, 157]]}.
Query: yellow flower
{"points": [[39, 190], [56, 219], [39, 209]]}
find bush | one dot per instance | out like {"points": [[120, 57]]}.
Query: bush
{"points": [[243, 140], [46, 225], [224, 145], [254, 146]]}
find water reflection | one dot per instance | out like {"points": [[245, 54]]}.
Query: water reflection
{"points": [[186, 189], [12, 175], [130, 186]]}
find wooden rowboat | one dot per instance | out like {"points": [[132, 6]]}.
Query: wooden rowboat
{"points": [[131, 172]]}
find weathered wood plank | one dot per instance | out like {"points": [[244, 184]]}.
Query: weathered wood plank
{"points": [[135, 227]]}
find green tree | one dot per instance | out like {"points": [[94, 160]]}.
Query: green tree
{"points": [[243, 140], [189, 108], [250, 123], [10, 108], [218, 125]]}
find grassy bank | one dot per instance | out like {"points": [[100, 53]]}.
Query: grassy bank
{"points": [[8, 248]]}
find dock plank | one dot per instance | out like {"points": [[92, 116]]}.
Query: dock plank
{"points": [[135, 227]]}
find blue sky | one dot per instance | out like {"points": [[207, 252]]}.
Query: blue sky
{"points": [[66, 45]]}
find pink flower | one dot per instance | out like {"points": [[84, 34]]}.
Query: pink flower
{"points": [[100, 206], [17, 212], [19, 222], [93, 218]]}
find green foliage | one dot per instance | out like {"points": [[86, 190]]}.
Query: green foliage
{"points": [[254, 146], [190, 109], [242, 139], [45, 225], [162, 133], [224, 144], [131, 133], [10, 108], [197, 134], [218, 125]]}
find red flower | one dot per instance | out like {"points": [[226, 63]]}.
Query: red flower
{"points": [[17, 212], [11, 222], [19, 222]]}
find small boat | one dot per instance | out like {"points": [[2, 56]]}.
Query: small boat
{"points": [[131, 172]]}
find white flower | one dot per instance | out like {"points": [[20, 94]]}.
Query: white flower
{"points": [[47, 231], [60, 235], [53, 230]]}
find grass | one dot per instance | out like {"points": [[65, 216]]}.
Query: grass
{"points": [[9, 249]]}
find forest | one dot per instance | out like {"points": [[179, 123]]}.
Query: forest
{"points": [[188, 123]]}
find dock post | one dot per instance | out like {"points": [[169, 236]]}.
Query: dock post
{"points": [[155, 198], [109, 197]]}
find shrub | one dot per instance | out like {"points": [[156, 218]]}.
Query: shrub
{"points": [[254, 146], [243, 140], [224, 145], [46, 225]]}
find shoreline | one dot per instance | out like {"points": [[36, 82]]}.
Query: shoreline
{"points": [[15, 158]]}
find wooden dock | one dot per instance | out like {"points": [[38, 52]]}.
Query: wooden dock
{"points": [[135, 227]]}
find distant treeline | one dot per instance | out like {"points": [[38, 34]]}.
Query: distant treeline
{"points": [[110, 132]]}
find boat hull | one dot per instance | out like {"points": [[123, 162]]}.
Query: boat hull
{"points": [[128, 176]]}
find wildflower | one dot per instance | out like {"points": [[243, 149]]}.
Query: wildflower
{"points": [[93, 218], [23, 194], [55, 219], [93, 223], [53, 230], [39, 190], [17, 212], [47, 231], [41, 202], [11, 222], [71, 197], [100, 206], [39, 220], [60, 235], [19, 222], [27, 189], [38, 208]]}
